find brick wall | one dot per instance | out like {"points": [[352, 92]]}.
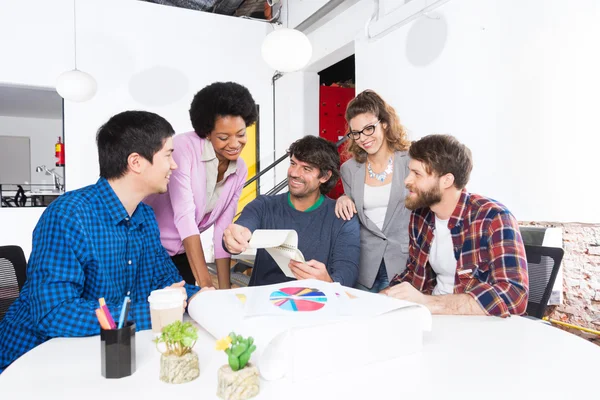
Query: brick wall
{"points": [[581, 277]]}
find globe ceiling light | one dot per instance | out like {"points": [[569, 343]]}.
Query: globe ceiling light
{"points": [[76, 85], [286, 50]]}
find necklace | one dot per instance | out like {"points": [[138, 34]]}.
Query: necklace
{"points": [[381, 176]]}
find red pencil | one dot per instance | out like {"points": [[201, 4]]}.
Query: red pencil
{"points": [[109, 317]]}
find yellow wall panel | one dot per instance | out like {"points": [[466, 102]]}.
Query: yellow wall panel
{"points": [[249, 156]]}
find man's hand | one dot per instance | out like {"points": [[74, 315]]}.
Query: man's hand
{"points": [[406, 291], [203, 290], [236, 238], [312, 269]]}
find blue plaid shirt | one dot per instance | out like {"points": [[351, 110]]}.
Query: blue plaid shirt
{"points": [[85, 246]]}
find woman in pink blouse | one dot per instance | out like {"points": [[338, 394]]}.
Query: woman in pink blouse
{"points": [[205, 188]]}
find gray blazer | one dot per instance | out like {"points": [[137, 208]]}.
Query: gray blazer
{"points": [[390, 243]]}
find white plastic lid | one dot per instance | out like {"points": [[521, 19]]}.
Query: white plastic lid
{"points": [[166, 297]]}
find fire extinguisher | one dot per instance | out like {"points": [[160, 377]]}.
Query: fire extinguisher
{"points": [[59, 149]]}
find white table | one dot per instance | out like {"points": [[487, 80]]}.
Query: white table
{"points": [[463, 357]]}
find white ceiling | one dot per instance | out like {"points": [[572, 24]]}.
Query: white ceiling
{"points": [[30, 103]]}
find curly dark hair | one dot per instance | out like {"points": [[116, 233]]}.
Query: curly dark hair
{"points": [[221, 99], [444, 154], [319, 153]]}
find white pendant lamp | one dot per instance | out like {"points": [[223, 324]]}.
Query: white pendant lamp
{"points": [[76, 85], [286, 50]]}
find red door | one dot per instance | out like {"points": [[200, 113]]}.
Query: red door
{"points": [[332, 123]]}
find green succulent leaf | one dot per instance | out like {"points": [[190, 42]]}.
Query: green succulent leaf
{"points": [[244, 358], [238, 349], [179, 337], [234, 363], [187, 342]]}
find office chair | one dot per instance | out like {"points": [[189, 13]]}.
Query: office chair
{"points": [[20, 198], [543, 264], [12, 276]]}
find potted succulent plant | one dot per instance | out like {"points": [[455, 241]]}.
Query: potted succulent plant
{"points": [[238, 379], [178, 363]]}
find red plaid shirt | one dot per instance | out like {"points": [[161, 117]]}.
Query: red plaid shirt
{"points": [[491, 263]]}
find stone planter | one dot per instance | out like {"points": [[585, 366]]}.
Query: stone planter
{"points": [[238, 385], [174, 369]]}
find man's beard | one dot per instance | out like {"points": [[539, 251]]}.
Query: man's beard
{"points": [[298, 192], [424, 199]]}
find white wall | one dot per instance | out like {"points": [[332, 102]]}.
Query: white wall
{"points": [[516, 81], [143, 56], [295, 115], [16, 226], [299, 10], [43, 134], [334, 41]]}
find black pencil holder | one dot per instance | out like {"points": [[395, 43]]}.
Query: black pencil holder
{"points": [[118, 351]]}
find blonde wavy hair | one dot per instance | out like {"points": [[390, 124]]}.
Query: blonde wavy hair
{"points": [[370, 102]]}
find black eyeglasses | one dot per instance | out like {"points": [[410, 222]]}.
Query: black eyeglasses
{"points": [[367, 131]]}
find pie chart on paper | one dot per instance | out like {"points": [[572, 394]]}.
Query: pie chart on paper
{"points": [[298, 299]]}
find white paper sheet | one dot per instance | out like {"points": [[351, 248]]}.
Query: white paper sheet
{"points": [[281, 244], [309, 299], [276, 332]]}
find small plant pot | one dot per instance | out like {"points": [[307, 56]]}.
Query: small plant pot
{"points": [[238, 385], [175, 369]]}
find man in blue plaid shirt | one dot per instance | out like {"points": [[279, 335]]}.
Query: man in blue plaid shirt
{"points": [[99, 241]]}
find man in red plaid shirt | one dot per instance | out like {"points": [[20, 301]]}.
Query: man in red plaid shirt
{"points": [[466, 254]]}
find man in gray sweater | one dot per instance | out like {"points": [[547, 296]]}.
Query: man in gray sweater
{"points": [[330, 245]]}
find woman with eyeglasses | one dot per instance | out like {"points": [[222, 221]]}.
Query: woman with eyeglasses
{"points": [[205, 188], [374, 188]]}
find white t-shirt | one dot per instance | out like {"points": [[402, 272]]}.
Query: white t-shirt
{"points": [[375, 203], [441, 258]]}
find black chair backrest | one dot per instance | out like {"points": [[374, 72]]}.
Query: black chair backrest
{"points": [[543, 264], [12, 275], [20, 198]]}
